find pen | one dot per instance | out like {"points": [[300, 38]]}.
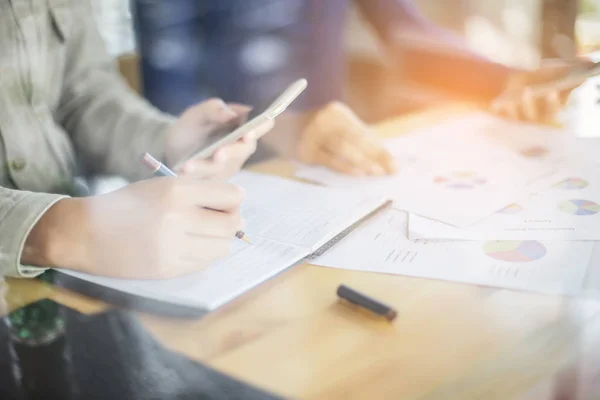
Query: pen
{"points": [[352, 296], [161, 169]]}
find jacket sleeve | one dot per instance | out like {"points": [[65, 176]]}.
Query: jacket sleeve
{"points": [[460, 72], [19, 212], [109, 123]]}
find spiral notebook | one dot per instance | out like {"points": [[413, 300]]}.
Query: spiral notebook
{"points": [[289, 222]]}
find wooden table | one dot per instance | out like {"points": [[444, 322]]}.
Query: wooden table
{"points": [[290, 336]]}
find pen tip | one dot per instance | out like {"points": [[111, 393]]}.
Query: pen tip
{"points": [[242, 236]]}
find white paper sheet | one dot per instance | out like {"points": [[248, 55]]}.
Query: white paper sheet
{"points": [[286, 222], [300, 214], [381, 245], [569, 210], [458, 172], [246, 266]]}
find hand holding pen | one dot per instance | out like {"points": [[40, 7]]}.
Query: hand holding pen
{"points": [[159, 169]]}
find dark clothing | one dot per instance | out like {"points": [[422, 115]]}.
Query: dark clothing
{"points": [[247, 51]]}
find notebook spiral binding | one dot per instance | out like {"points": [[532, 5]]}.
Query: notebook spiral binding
{"points": [[321, 250]]}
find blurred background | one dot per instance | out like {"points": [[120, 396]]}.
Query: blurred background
{"points": [[514, 32]]}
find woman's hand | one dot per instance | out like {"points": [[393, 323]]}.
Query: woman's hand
{"points": [[153, 229], [336, 138], [519, 101], [192, 128]]}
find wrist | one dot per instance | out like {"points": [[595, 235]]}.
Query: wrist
{"points": [[58, 239]]}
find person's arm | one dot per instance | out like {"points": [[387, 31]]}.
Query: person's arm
{"points": [[387, 15], [109, 123], [431, 55], [19, 212]]}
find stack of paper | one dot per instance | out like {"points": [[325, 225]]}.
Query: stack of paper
{"points": [[481, 200]]}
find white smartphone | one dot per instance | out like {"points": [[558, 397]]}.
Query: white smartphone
{"points": [[277, 107]]}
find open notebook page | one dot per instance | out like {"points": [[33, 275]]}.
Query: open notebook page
{"points": [[297, 213], [286, 221]]}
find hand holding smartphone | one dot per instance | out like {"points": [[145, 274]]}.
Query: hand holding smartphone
{"points": [[540, 95], [575, 76], [271, 112]]}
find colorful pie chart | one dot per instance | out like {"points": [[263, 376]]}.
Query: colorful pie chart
{"points": [[572, 184], [579, 207], [515, 251]]}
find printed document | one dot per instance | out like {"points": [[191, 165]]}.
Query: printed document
{"points": [[381, 245], [568, 210]]}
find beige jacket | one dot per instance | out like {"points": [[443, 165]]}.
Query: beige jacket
{"points": [[62, 103]]}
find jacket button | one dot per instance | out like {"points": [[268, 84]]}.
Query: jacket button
{"points": [[18, 164]]}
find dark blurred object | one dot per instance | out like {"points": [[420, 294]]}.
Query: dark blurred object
{"points": [[241, 51], [108, 356], [37, 324], [557, 39], [249, 51], [36, 363]]}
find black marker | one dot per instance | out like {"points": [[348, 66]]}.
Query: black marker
{"points": [[352, 296]]}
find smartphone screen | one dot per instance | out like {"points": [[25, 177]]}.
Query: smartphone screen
{"points": [[223, 130]]}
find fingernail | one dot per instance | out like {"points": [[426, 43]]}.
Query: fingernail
{"points": [[250, 136]]}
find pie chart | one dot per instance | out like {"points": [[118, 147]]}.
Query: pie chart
{"points": [[515, 250], [572, 183], [579, 207]]}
